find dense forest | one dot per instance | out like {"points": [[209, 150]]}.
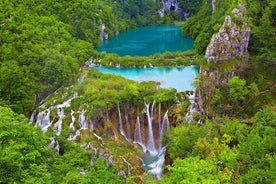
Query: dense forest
{"points": [[43, 48]]}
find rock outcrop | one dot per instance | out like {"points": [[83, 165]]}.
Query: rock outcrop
{"points": [[172, 5], [103, 34], [232, 39]]}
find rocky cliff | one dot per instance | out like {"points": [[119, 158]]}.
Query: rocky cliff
{"points": [[232, 39]]}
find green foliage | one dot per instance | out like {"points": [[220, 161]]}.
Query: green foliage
{"points": [[186, 58], [192, 170], [106, 176], [43, 47], [22, 147], [25, 157], [238, 90], [102, 92], [240, 153], [182, 139], [190, 6], [260, 15]]}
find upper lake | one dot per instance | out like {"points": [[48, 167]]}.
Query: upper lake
{"points": [[147, 41]]}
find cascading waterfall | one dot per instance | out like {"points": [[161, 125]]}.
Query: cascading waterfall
{"points": [[73, 120], [32, 117], [164, 127], [121, 128], [139, 134], [153, 162], [191, 108], [82, 121], [154, 153], [159, 119], [127, 124], [58, 124], [151, 143], [43, 120]]}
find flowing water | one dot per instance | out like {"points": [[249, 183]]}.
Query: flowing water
{"points": [[144, 42], [147, 41], [149, 127]]}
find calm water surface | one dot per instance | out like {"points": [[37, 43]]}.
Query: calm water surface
{"points": [[147, 41], [179, 78]]}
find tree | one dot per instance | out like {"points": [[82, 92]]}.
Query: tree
{"points": [[16, 87], [238, 91]]}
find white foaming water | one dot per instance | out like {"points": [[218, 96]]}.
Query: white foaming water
{"points": [[151, 144], [154, 158], [58, 124], [191, 108], [121, 123]]}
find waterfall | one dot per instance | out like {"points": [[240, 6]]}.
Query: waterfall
{"points": [[156, 167], [152, 109], [82, 121], [165, 123], [43, 120], [32, 117], [127, 124], [151, 144], [121, 123], [191, 108], [164, 128], [58, 124], [139, 134], [73, 120]]}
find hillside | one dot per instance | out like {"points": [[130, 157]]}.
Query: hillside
{"points": [[63, 122]]}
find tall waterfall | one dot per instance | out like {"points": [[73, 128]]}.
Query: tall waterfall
{"points": [[151, 144], [127, 124], [164, 127], [121, 128], [139, 133], [149, 137]]}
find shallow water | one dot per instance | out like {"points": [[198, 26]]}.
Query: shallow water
{"points": [[180, 78]]}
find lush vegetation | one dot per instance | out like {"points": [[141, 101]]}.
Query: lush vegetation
{"points": [[43, 45], [260, 14], [42, 48], [186, 58], [25, 157], [233, 142], [223, 151]]}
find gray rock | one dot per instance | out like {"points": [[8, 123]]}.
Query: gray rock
{"points": [[232, 39]]}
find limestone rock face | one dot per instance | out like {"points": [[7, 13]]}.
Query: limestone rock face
{"points": [[172, 5], [232, 39]]}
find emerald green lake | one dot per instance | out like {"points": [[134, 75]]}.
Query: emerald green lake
{"points": [[147, 41]]}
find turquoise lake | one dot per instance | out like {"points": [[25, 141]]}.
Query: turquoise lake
{"points": [[147, 41], [179, 78]]}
